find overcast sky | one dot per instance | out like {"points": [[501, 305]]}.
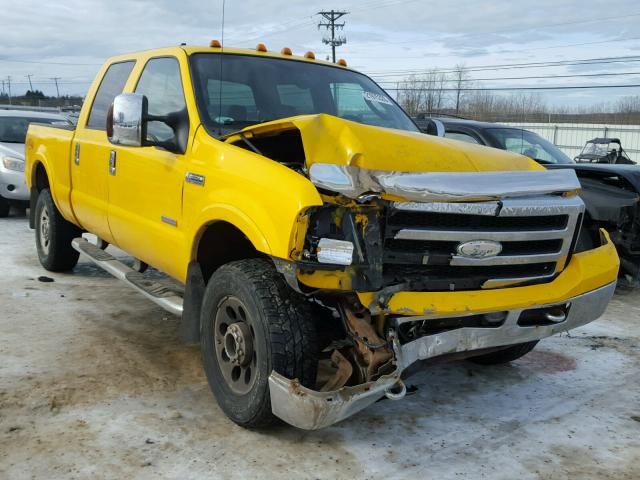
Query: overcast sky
{"points": [[70, 38]]}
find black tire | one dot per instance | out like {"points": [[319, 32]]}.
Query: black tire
{"points": [[54, 235], [506, 355], [281, 329], [5, 206]]}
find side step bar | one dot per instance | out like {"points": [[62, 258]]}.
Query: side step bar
{"points": [[152, 289]]}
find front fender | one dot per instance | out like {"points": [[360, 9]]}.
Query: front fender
{"points": [[228, 213]]}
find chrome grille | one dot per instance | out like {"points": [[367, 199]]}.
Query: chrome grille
{"points": [[536, 234]]}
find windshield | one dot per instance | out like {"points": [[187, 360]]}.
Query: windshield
{"points": [[14, 129], [529, 144], [258, 89]]}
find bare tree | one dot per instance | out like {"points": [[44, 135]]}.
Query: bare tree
{"points": [[460, 78]]}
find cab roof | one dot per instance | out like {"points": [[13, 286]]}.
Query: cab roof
{"points": [[192, 49]]}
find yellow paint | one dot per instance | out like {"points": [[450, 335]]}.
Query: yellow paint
{"points": [[586, 271], [326, 280], [262, 198]]}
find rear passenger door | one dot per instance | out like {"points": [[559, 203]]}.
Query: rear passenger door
{"points": [[90, 151]]}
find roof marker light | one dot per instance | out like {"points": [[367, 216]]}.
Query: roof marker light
{"points": [[261, 47], [286, 51], [215, 44], [342, 62], [310, 55]]}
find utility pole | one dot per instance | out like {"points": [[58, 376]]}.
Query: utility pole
{"points": [[30, 85], [9, 87], [331, 17], [55, 79]]}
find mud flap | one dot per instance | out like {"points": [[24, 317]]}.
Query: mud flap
{"points": [[192, 306]]}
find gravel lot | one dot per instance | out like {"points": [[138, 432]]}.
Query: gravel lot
{"points": [[95, 382]]}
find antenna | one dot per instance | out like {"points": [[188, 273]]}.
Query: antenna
{"points": [[220, 81]]}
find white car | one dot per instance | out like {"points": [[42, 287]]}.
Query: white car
{"points": [[13, 129]]}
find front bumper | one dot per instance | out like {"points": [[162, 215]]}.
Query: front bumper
{"points": [[310, 410], [13, 185]]}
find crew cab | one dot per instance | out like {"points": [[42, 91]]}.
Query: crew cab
{"points": [[323, 244]]}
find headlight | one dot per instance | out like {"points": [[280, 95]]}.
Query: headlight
{"points": [[337, 252], [13, 163]]}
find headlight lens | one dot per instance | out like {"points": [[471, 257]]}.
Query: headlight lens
{"points": [[13, 163]]}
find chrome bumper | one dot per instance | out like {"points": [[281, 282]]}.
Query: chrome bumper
{"points": [[310, 410]]}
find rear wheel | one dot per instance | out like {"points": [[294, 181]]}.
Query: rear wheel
{"points": [[4, 207], [506, 355], [54, 235], [253, 323]]}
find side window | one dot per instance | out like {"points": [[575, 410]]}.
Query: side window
{"points": [[112, 84], [355, 103], [231, 103], [463, 137], [161, 83], [295, 99]]}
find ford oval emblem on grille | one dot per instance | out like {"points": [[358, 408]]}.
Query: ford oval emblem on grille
{"points": [[479, 249]]}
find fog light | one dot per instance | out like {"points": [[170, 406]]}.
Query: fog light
{"points": [[338, 252]]}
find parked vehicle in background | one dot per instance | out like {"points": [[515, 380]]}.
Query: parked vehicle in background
{"points": [[610, 190], [604, 150], [323, 242], [13, 130]]}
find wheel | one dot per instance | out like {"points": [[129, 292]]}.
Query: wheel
{"points": [[4, 207], [506, 355], [54, 235], [252, 323]]}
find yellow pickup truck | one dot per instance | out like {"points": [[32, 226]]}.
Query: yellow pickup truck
{"points": [[321, 244]]}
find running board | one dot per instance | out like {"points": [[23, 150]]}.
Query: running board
{"points": [[152, 289]]}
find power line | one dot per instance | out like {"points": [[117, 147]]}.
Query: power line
{"points": [[509, 66], [506, 89], [448, 80], [332, 17]]}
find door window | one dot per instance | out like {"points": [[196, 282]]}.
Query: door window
{"points": [[112, 84], [161, 83]]}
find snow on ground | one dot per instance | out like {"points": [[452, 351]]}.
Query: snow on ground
{"points": [[95, 382]]}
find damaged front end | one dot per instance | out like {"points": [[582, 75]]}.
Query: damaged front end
{"points": [[474, 255]]}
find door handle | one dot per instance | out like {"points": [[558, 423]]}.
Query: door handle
{"points": [[112, 163], [76, 155]]}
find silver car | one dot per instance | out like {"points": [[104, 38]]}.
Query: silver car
{"points": [[13, 129]]}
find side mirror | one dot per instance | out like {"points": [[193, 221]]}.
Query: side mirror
{"points": [[435, 127], [126, 120]]}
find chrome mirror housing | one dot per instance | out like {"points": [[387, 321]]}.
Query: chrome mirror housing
{"points": [[126, 120]]}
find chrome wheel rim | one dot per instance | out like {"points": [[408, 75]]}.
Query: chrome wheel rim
{"points": [[45, 231], [234, 340]]}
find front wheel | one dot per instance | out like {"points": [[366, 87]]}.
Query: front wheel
{"points": [[505, 355], [54, 235], [252, 323]]}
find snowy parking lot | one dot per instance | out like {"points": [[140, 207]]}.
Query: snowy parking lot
{"points": [[96, 383]]}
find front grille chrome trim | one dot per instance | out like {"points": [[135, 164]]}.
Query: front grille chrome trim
{"points": [[536, 206], [460, 261], [467, 235]]}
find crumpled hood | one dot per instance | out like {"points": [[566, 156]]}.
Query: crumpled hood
{"points": [[329, 139], [353, 160]]}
